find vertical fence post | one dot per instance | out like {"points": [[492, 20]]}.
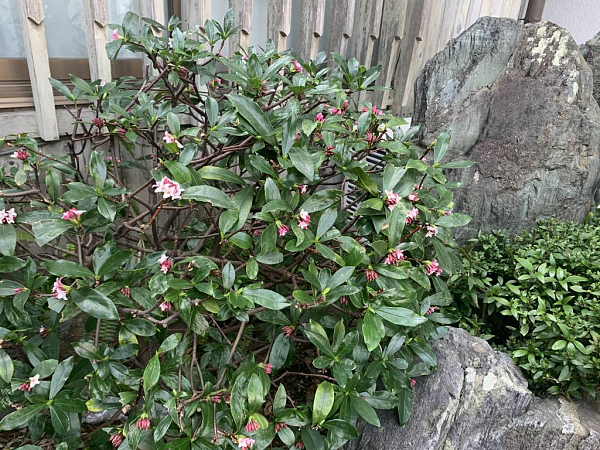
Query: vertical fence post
{"points": [[279, 22], [311, 27], [95, 14], [243, 18], [155, 10], [31, 13], [392, 30], [368, 27], [197, 12], [342, 25]]}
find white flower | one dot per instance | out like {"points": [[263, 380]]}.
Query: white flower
{"points": [[169, 188], [34, 380]]}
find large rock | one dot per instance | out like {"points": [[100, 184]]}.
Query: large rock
{"points": [[478, 400], [518, 99], [591, 52]]}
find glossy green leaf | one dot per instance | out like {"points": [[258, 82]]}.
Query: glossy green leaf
{"points": [[94, 303]]}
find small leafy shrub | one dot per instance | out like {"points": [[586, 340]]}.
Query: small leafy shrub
{"points": [[537, 297], [233, 295]]}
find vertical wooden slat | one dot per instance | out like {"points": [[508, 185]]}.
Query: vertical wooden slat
{"points": [[393, 23], [474, 12], [523, 9], [462, 17], [425, 46], [515, 9], [198, 12], [342, 25], [243, 18], [279, 22], [311, 27], [155, 10], [487, 8], [445, 30], [95, 14], [368, 27], [31, 13]]}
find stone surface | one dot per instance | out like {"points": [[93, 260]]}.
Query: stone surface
{"points": [[591, 52], [478, 400], [518, 99]]}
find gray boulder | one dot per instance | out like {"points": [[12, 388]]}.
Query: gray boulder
{"points": [[478, 400], [591, 52], [518, 99]]}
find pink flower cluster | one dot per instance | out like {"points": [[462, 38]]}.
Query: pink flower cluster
{"points": [[59, 290], [126, 291], [391, 199], [432, 231], [252, 426], [303, 189], [371, 275], [21, 154], [268, 368], [304, 221], [115, 35], [433, 267], [320, 118], [165, 263], [431, 310], [412, 215], [30, 384], [375, 111], [169, 189], [394, 257], [73, 214], [245, 443], [143, 423], [339, 111], [166, 306], [329, 150], [98, 122], [282, 229], [288, 330], [280, 426], [116, 439], [7, 216], [170, 139], [414, 197], [297, 66]]}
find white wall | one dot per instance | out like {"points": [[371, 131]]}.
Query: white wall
{"points": [[580, 17]]}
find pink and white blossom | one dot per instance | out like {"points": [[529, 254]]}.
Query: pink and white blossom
{"points": [[8, 216], [115, 35], [412, 215], [245, 443], [59, 290], [304, 220], [166, 306], [392, 199], [73, 214], [297, 66], [394, 257], [165, 263], [169, 189], [371, 275], [20, 154], [319, 118], [282, 229], [30, 384], [414, 197], [303, 189], [170, 139], [252, 426], [432, 231], [433, 268]]}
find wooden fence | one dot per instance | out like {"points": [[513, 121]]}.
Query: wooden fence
{"points": [[399, 35]]}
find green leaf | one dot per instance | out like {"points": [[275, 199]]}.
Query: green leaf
{"points": [[173, 123], [107, 209], [256, 393], [341, 428], [209, 194], [93, 302], [252, 113], [64, 268], [312, 439], [140, 327], [212, 110], [302, 161], [220, 174], [280, 400], [425, 352], [400, 316], [11, 264], [340, 277], [228, 276], [252, 268], [373, 330], [114, 262], [365, 410], [268, 299], [97, 168], [8, 239], [169, 343], [404, 406], [60, 420], [321, 200], [559, 345], [323, 402], [47, 230], [326, 221], [6, 366], [179, 171], [60, 376], [365, 181], [441, 146], [20, 417], [453, 220], [151, 373], [279, 352]]}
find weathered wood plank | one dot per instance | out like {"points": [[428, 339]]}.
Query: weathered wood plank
{"points": [[279, 22], [515, 9], [243, 18], [34, 41], [342, 25], [426, 44], [474, 12], [523, 9], [462, 17], [95, 14], [197, 12], [487, 8], [155, 10], [312, 27], [445, 30], [392, 31], [367, 29]]}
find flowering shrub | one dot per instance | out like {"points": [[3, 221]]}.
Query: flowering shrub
{"points": [[245, 275], [537, 297]]}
